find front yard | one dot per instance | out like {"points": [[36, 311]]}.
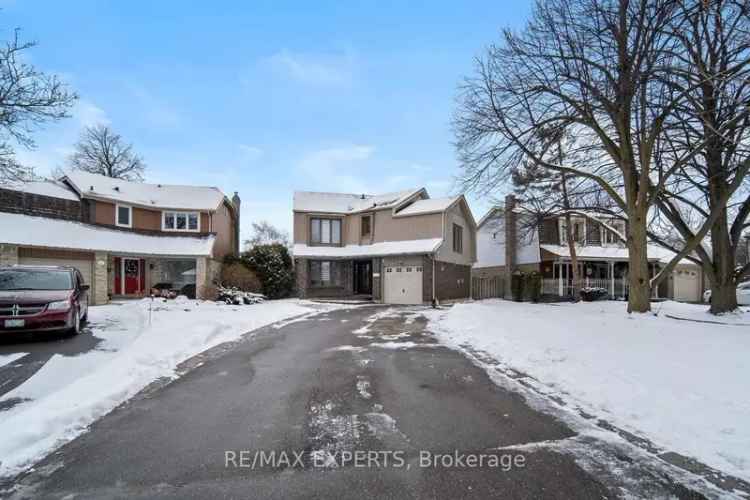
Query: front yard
{"points": [[70, 392], [681, 384]]}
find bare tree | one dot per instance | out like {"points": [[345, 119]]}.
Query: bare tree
{"points": [[265, 234], [596, 67], [712, 71], [28, 98], [102, 151]]}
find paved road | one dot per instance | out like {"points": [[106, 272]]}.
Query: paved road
{"points": [[316, 388]]}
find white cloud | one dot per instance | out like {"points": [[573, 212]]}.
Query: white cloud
{"points": [[337, 169], [316, 69], [88, 114]]}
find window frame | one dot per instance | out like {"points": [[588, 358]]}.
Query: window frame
{"points": [[118, 206], [368, 219], [332, 221], [176, 214], [458, 243], [620, 226], [319, 283]]}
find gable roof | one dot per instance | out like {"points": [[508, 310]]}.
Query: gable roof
{"points": [[146, 195], [428, 206], [344, 203]]}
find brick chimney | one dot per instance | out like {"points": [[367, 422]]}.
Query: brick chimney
{"points": [[237, 203], [511, 236]]}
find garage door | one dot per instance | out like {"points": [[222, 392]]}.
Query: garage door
{"points": [[687, 285], [403, 285], [85, 266]]}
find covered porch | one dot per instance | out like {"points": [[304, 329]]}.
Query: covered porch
{"points": [[132, 276], [335, 278], [607, 274]]}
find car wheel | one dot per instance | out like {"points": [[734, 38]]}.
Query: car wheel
{"points": [[76, 329]]}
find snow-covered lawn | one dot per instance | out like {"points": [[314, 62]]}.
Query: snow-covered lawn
{"points": [[69, 393], [684, 385]]}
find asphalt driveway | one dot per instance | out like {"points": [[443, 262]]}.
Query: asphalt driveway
{"points": [[321, 392]]}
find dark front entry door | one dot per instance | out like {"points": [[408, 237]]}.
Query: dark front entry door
{"points": [[363, 277]]}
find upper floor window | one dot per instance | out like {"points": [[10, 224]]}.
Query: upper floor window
{"points": [[609, 236], [325, 231], [366, 223], [579, 231], [458, 238], [124, 216], [181, 221]]}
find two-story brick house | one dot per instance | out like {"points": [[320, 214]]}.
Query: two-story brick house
{"points": [[125, 237], [400, 248], [601, 254]]}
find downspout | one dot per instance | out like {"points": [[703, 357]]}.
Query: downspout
{"points": [[434, 297]]}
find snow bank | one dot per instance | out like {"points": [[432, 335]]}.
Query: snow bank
{"points": [[69, 393], [681, 384]]}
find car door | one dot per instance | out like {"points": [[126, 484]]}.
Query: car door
{"points": [[82, 294]]}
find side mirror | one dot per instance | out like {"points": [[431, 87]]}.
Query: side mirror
{"points": [[85, 287]]}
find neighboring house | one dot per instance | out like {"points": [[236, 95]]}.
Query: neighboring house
{"points": [[602, 257], [125, 237], [399, 248]]}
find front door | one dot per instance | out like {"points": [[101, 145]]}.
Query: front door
{"points": [[132, 273], [363, 277]]}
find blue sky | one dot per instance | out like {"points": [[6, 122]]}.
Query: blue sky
{"points": [[266, 97]]}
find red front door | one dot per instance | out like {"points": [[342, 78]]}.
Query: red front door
{"points": [[132, 276]]}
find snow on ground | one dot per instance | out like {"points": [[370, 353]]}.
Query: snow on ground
{"points": [[7, 359], [69, 393], [681, 384]]}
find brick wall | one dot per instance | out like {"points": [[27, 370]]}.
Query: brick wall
{"points": [[35, 204], [452, 281], [8, 255], [427, 279]]}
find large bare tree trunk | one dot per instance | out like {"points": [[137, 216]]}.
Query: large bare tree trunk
{"points": [[639, 295], [723, 287]]}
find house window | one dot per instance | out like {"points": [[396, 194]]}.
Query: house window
{"points": [[124, 216], [325, 231], [579, 231], [458, 238], [322, 273], [366, 221], [609, 236], [181, 221]]}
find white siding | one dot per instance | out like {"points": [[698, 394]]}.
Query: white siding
{"points": [[491, 244]]}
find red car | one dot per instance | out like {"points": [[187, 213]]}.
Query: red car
{"points": [[42, 298]]}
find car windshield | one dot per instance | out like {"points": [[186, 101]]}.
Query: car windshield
{"points": [[35, 280]]}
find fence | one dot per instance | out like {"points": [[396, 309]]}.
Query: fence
{"points": [[487, 288]]}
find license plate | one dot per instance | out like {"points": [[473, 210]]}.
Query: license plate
{"points": [[14, 323]]}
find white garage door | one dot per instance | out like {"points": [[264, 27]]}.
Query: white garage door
{"points": [[403, 285], [85, 266], [687, 285]]}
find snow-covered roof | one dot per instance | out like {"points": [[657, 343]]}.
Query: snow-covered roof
{"points": [[655, 253], [54, 189], [429, 205], [382, 249], [20, 229], [342, 203], [147, 195]]}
